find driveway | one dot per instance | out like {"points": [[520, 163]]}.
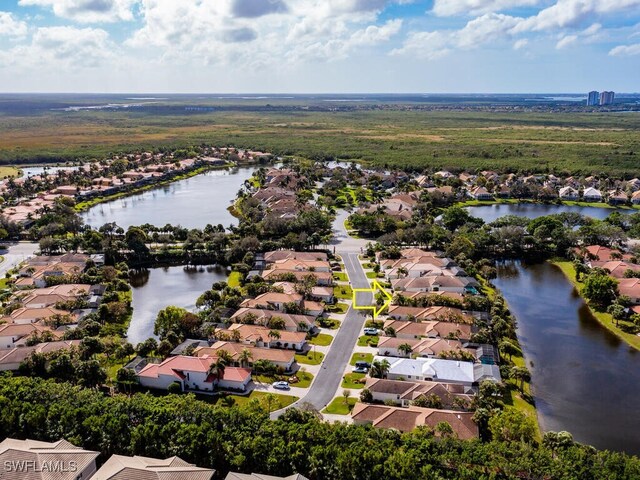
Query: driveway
{"points": [[329, 378], [16, 254]]}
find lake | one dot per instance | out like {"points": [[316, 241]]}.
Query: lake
{"points": [[585, 380], [157, 288], [192, 203], [490, 213]]}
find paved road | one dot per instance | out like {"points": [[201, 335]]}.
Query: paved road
{"points": [[16, 254], [329, 378]]}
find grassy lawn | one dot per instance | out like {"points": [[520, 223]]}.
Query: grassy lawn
{"points": [[234, 279], [322, 340], [310, 358], [339, 308], [9, 172], [372, 275], [340, 276], [513, 398], [343, 291], [4, 282], [279, 402], [305, 380], [605, 319], [359, 357], [368, 341], [339, 407], [349, 380], [330, 323]]}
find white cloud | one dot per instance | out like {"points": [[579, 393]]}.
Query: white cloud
{"points": [[428, 45], [625, 50], [520, 44], [445, 8], [566, 41], [11, 27], [62, 47], [88, 11]]}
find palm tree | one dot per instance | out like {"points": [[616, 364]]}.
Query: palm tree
{"points": [[225, 356], [217, 368], [380, 369], [522, 374], [274, 334], [245, 357], [405, 349], [346, 393]]}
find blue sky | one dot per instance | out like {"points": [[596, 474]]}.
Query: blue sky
{"points": [[301, 46]]}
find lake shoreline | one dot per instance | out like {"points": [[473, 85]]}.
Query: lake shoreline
{"points": [[603, 318]]}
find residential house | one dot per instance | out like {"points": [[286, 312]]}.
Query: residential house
{"points": [[429, 329], [292, 323], [569, 193], [10, 359], [436, 283], [15, 335], [631, 288], [439, 313], [23, 315], [444, 371], [481, 193], [284, 359], [403, 393], [409, 418], [273, 301], [592, 194], [322, 278], [635, 198], [274, 256], [120, 467], [420, 347], [193, 373], [35, 460], [616, 268], [263, 337], [618, 197]]}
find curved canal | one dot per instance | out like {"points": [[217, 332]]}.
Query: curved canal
{"points": [[585, 380]]}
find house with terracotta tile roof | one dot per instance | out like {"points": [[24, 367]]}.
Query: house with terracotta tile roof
{"points": [[275, 255], [11, 358], [34, 460], [616, 268], [280, 358], [302, 265], [436, 283], [14, 334], [420, 347], [120, 467], [24, 315], [439, 313], [429, 329], [193, 374], [408, 418], [403, 393], [292, 322], [263, 337], [276, 274], [602, 254], [631, 288], [273, 301]]}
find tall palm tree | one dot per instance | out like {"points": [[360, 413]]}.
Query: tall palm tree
{"points": [[245, 357], [380, 369], [225, 356], [217, 368], [405, 349]]}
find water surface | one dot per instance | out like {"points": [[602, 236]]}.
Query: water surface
{"points": [[193, 202], [490, 213], [585, 380], [157, 288]]}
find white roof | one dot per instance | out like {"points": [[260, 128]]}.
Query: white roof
{"points": [[445, 370], [592, 192]]}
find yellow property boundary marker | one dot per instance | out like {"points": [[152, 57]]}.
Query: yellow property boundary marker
{"points": [[374, 308]]}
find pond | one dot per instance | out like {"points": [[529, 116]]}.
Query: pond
{"points": [[157, 288], [490, 213], [192, 203], [585, 380]]}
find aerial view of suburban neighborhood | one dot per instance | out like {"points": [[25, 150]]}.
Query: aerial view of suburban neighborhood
{"points": [[319, 286]]}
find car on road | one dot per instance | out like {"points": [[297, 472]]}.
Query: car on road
{"points": [[360, 370], [370, 331], [281, 386]]}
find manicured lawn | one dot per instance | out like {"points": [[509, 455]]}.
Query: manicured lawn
{"points": [[322, 340], [4, 282], [9, 172], [359, 357], [343, 291], [368, 341], [372, 275], [339, 308], [305, 380], [339, 407], [349, 380], [340, 276], [310, 358], [330, 323], [604, 318], [512, 398], [280, 401], [234, 279]]}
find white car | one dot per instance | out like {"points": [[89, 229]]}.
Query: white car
{"points": [[281, 386], [370, 331]]}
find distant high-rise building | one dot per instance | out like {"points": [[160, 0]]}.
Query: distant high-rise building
{"points": [[606, 98], [593, 99]]}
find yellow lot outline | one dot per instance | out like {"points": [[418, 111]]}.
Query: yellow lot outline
{"points": [[375, 310]]}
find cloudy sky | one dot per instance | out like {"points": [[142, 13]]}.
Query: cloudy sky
{"points": [[302, 46]]}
